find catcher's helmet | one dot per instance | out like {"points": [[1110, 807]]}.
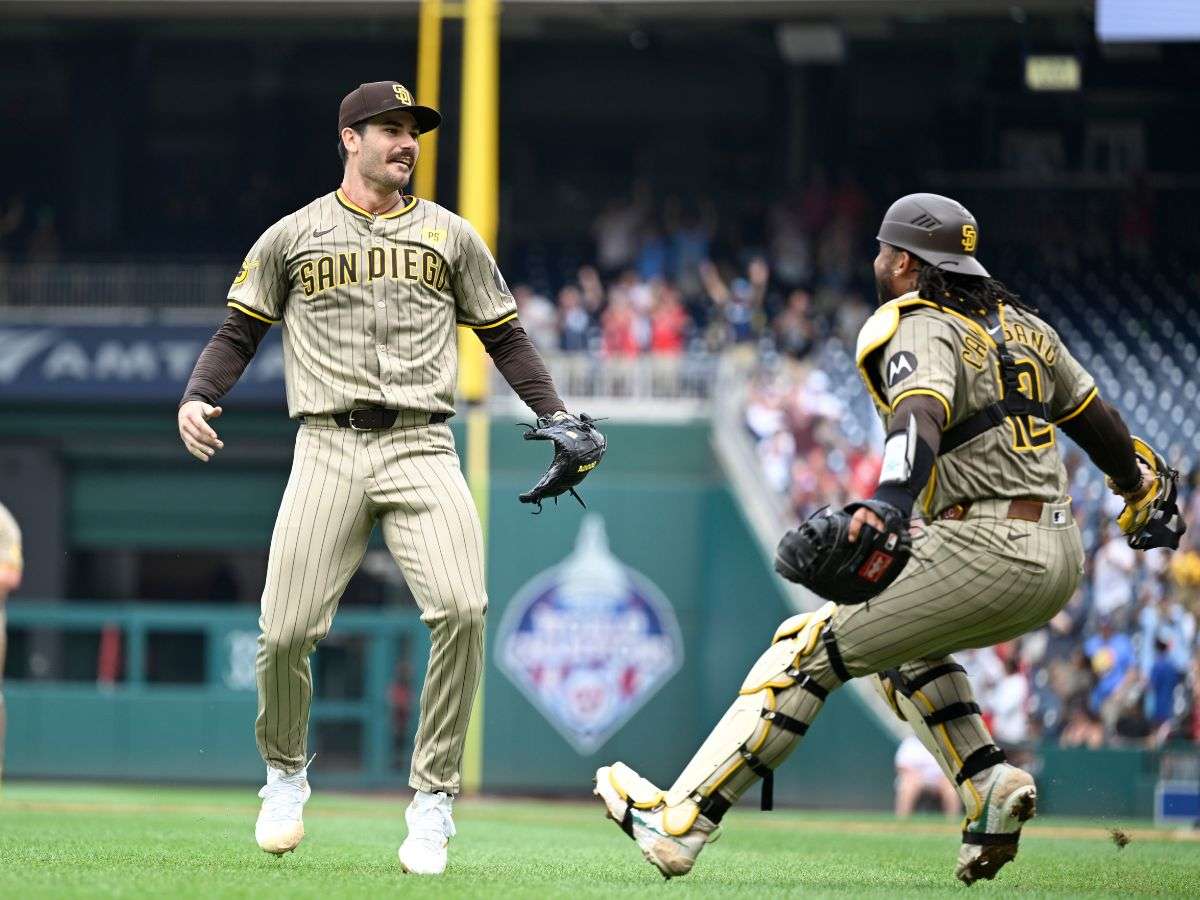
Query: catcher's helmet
{"points": [[936, 229]]}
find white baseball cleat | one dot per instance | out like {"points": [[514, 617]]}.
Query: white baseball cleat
{"points": [[638, 808], [280, 825], [990, 841], [430, 827]]}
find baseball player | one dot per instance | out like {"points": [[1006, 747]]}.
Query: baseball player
{"points": [[369, 284], [11, 566], [972, 388]]}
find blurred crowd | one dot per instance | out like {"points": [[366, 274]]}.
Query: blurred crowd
{"points": [[682, 278], [1118, 666]]}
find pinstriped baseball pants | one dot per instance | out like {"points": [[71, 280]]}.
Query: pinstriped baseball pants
{"points": [[970, 583], [342, 482]]}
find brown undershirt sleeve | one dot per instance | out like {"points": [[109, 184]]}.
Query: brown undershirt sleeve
{"points": [[1104, 437], [223, 361], [522, 366], [930, 417]]}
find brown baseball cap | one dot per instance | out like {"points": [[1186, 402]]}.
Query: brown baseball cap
{"points": [[936, 229], [369, 100]]}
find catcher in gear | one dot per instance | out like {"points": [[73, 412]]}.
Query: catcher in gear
{"points": [[972, 387], [578, 448]]}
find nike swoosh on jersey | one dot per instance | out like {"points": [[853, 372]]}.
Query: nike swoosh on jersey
{"points": [[993, 330], [326, 231]]}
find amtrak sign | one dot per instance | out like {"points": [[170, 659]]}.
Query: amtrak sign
{"points": [[120, 363], [589, 641]]}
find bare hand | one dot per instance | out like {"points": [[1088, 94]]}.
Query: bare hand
{"points": [[199, 438], [863, 516]]}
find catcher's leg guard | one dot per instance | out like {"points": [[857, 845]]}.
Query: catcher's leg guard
{"points": [[637, 807], [935, 698], [776, 703]]}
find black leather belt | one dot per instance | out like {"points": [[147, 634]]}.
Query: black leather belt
{"points": [[377, 418]]}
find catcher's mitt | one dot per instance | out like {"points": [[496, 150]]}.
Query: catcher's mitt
{"points": [[1152, 519], [578, 448], [819, 554]]}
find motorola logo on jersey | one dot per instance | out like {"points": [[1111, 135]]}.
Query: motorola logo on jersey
{"points": [[589, 641], [900, 366]]}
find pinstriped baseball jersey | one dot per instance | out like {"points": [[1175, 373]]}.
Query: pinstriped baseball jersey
{"points": [[10, 541], [369, 302], [913, 347]]}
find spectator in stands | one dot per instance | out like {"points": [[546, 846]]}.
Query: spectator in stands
{"points": [[539, 317], [574, 323], [654, 256], [592, 290], [1165, 620], [1110, 654], [1010, 705], [793, 330], [1163, 681], [619, 327], [1083, 728], [918, 773], [789, 247], [1113, 568], [616, 231], [689, 237], [668, 322], [776, 455]]}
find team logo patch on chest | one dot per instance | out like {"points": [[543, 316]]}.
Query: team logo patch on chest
{"points": [[589, 642], [900, 366]]}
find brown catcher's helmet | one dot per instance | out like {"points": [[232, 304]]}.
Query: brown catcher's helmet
{"points": [[935, 229]]}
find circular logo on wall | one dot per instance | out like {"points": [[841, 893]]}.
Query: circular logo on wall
{"points": [[589, 641]]}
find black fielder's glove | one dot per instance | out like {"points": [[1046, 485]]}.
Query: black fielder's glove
{"points": [[819, 554], [1151, 518], [578, 448]]}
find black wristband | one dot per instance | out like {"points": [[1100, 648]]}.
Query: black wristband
{"points": [[897, 495]]}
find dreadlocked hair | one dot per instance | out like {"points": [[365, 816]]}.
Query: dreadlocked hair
{"points": [[967, 293]]}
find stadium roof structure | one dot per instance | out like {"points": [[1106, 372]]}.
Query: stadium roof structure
{"points": [[792, 10]]}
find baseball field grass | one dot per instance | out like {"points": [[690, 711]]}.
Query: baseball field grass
{"points": [[81, 840]]}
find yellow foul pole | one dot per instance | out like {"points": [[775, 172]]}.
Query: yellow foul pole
{"points": [[478, 200], [429, 83]]}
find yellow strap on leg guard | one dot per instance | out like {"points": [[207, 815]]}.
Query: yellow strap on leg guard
{"points": [[635, 790], [734, 746]]}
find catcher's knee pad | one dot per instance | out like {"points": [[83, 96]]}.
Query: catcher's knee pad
{"points": [[774, 707], [938, 703]]}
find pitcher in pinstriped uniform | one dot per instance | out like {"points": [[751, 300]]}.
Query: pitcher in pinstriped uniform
{"points": [[369, 284], [972, 386]]}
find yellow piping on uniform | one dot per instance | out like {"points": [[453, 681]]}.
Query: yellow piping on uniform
{"points": [[1092, 394], [355, 208], [507, 318], [930, 487], [928, 392], [958, 763], [251, 313]]}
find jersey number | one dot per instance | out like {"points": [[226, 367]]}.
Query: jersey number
{"points": [[1030, 433]]}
